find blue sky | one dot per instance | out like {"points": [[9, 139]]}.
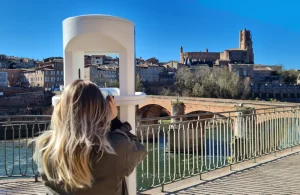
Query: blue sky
{"points": [[33, 28]]}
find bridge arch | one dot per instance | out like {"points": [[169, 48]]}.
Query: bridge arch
{"points": [[152, 111]]}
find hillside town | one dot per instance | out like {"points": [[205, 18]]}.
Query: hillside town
{"points": [[24, 75]]}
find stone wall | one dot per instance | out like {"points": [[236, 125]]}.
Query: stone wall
{"points": [[277, 91], [23, 100], [15, 90], [28, 103]]}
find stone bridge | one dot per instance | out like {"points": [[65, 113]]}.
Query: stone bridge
{"points": [[262, 121], [156, 106]]}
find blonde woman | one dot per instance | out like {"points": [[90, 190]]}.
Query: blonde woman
{"points": [[84, 153]]}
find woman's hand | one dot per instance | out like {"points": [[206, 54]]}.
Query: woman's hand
{"points": [[113, 108]]}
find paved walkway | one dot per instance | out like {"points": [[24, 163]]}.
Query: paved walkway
{"points": [[22, 186], [281, 176]]}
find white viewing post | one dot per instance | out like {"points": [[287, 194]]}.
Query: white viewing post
{"points": [[100, 34]]}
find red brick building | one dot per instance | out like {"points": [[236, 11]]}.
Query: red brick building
{"points": [[49, 74], [13, 76]]}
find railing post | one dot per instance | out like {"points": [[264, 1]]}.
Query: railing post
{"points": [[255, 133], [292, 130], [162, 188], [232, 156]]}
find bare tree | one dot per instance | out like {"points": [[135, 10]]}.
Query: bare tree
{"points": [[138, 84], [210, 83], [100, 81]]}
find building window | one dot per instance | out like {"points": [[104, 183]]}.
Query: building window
{"points": [[57, 72], [46, 79], [57, 78], [52, 72], [46, 72], [52, 79], [62, 72]]}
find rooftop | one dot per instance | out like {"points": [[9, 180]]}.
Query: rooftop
{"points": [[261, 68], [235, 49]]}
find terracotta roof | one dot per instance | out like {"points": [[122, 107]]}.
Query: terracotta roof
{"points": [[202, 52], [48, 69], [46, 66], [89, 65], [153, 65], [237, 64], [262, 68], [235, 49], [142, 65]]}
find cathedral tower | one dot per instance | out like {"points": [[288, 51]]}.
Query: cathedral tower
{"points": [[181, 55], [245, 43]]}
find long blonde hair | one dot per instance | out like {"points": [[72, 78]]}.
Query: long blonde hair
{"points": [[79, 123]]}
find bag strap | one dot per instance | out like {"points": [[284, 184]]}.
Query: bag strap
{"points": [[124, 187]]}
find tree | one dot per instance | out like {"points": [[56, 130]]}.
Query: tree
{"points": [[246, 89], [165, 92], [184, 82], [113, 84], [228, 84], [100, 81], [103, 82], [290, 76], [138, 84], [211, 83]]}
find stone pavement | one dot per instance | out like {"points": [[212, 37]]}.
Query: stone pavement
{"points": [[281, 176], [21, 186]]}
